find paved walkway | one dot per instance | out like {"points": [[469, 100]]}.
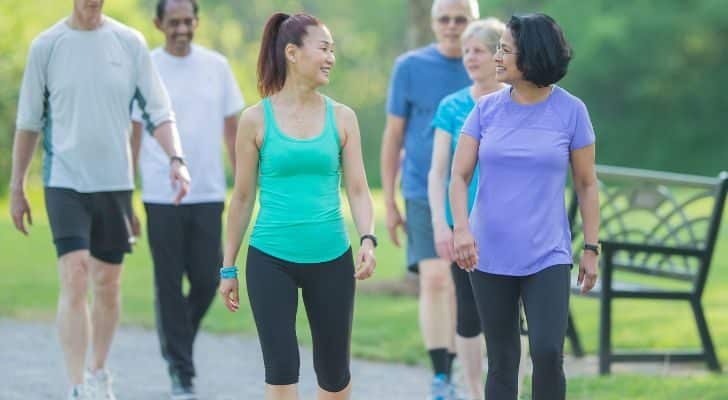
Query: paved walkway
{"points": [[230, 368]]}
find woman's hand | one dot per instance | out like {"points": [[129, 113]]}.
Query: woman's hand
{"points": [[443, 242], [588, 271], [466, 249], [365, 261], [229, 292]]}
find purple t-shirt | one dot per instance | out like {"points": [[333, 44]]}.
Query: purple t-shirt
{"points": [[519, 219]]}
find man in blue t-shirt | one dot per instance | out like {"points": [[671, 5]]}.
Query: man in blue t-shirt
{"points": [[420, 79]]}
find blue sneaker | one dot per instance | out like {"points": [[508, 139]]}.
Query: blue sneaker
{"points": [[440, 388]]}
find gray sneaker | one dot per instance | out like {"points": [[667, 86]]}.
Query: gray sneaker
{"points": [[182, 388], [98, 385]]}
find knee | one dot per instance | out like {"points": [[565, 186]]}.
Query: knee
{"points": [[333, 380], [107, 286], [207, 284], [468, 324], [436, 280], [281, 373], [74, 277], [547, 356]]}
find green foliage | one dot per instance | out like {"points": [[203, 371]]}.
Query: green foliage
{"points": [[651, 72]]}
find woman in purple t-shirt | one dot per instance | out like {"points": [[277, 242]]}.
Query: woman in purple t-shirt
{"points": [[518, 241]]}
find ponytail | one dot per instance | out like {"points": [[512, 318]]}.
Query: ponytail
{"points": [[279, 30]]}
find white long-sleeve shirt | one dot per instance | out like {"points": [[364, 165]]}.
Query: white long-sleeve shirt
{"points": [[78, 90]]}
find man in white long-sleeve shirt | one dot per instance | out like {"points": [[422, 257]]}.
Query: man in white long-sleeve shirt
{"points": [[80, 80]]}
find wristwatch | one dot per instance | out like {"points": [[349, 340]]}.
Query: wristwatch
{"points": [[370, 237], [177, 158], [596, 248]]}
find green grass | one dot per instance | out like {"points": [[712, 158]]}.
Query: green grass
{"points": [[386, 328]]}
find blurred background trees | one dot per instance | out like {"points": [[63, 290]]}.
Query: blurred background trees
{"points": [[653, 73]]}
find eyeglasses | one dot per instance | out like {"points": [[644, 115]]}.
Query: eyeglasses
{"points": [[505, 52], [446, 19]]}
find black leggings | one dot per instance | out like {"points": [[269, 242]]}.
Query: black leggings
{"points": [[468, 321], [545, 297], [328, 295]]}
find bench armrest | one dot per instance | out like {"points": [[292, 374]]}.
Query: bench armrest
{"points": [[611, 247]]}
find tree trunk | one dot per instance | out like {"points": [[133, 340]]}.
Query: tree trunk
{"points": [[419, 32]]}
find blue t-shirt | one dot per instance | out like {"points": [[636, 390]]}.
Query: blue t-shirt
{"points": [[519, 219], [420, 79], [450, 117]]}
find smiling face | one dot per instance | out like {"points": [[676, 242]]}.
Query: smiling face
{"points": [[178, 24], [315, 58], [505, 58]]}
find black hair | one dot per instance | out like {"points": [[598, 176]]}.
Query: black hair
{"points": [[543, 53], [162, 6], [280, 30]]}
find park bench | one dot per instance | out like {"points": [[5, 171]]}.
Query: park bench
{"points": [[658, 233]]}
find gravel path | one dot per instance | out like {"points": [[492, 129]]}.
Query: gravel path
{"points": [[229, 368]]}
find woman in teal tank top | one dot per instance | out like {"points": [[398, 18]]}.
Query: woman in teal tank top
{"points": [[294, 146]]}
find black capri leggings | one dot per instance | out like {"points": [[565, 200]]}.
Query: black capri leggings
{"points": [[545, 297], [328, 295], [468, 320]]}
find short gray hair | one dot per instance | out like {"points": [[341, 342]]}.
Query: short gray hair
{"points": [[488, 30], [472, 5]]}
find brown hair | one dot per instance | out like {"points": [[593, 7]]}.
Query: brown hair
{"points": [[280, 30]]}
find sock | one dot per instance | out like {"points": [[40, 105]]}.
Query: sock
{"points": [[450, 360], [439, 358]]}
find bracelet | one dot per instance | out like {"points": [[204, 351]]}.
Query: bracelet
{"points": [[229, 272]]}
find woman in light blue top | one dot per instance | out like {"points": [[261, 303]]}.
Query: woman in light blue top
{"points": [[479, 42]]}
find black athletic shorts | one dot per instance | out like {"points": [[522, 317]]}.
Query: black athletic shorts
{"points": [[99, 222]]}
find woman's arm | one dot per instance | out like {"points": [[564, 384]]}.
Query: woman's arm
{"points": [[436, 188], [466, 156], [357, 188], [587, 191], [243, 196]]}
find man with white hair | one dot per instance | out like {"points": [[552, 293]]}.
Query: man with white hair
{"points": [[420, 79]]}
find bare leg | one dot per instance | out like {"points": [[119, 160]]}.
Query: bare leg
{"points": [[106, 307], [470, 352], [73, 317], [436, 297], [281, 392], [344, 394], [523, 365]]}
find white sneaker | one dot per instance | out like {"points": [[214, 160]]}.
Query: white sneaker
{"points": [[98, 385], [78, 392]]}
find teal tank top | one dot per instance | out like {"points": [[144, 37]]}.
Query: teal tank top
{"points": [[300, 218]]}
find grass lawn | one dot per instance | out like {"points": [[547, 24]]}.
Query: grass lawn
{"points": [[386, 328]]}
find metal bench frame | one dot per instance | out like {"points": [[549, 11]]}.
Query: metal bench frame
{"points": [[667, 250]]}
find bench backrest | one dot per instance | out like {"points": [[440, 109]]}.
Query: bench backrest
{"points": [[657, 208]]}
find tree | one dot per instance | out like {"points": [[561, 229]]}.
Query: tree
{"points": [[419, 31]]}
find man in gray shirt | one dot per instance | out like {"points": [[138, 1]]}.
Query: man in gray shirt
{"points": [[80, 80]]}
